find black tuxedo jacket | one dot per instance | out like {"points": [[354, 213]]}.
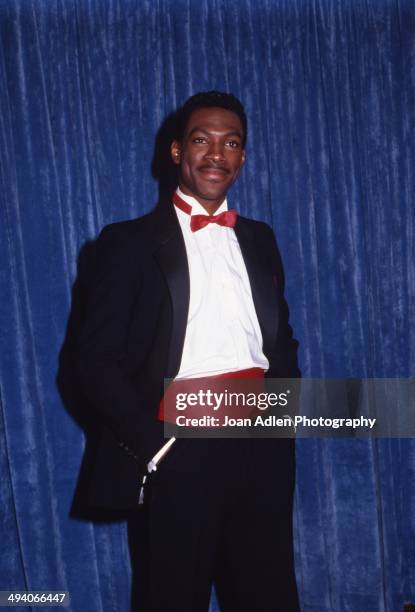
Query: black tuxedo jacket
{"points": [[133, 334]]}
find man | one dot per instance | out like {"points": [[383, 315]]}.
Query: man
{"points": [[177, 295]]}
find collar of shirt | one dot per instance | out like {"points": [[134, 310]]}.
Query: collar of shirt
{"points": [[197, 208]]}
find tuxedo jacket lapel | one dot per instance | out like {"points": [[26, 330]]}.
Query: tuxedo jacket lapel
{"points": [[170, 254], [261, 278]]}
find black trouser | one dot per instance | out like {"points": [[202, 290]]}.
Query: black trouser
{"points": [[217, 512]]}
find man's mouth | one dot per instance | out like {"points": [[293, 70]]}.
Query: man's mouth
{"points": [[209, 172]]}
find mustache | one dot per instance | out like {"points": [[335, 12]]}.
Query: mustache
{"points": [[214, 167]]}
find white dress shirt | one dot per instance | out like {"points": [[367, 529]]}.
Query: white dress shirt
{"points": [[222, 333]]}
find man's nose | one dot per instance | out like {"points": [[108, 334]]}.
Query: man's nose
{"points": [[216, 152]]}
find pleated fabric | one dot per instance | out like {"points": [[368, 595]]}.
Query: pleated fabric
{"points": [[329, 89]]}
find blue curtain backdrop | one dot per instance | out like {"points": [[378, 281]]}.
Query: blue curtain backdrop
{"points": [[329, 87]]}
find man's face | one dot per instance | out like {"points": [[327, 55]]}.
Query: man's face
{"points": [[210, 155]]}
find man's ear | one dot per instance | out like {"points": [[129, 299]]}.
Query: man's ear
{"points": [[175, 151]]}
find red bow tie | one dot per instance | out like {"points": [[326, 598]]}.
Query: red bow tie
{"points": [[197, 222]]}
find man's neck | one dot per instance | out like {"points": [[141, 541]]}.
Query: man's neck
{"points": [[210, 206]]}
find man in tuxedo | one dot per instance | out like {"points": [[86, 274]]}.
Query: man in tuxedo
{"points": [[192, 290]]}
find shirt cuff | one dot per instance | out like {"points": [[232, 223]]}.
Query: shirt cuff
{"points": [[152, 465]]}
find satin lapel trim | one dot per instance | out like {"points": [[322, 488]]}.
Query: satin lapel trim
{"points": [[264, 293], [170, 255]]}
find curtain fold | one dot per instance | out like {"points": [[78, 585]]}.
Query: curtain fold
{"points": [[329, 89]]}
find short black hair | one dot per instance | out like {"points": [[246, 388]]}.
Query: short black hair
{"points": [[206, 99]]}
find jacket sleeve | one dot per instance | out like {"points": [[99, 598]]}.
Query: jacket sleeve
{"points": [[113, 291], [284, 361]]}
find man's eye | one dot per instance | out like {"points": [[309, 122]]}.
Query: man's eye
{"points": [[199, 140], [234, 144]]}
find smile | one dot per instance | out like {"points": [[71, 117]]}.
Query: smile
{"points": [[213, 173]]}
